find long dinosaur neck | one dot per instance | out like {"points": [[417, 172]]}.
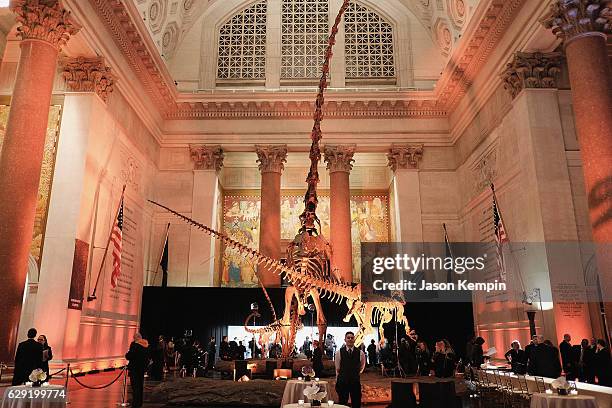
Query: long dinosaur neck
{"points": [[309, 217]]}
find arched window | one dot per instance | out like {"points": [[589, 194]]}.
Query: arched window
{"points": [[242, 45], [368, 44], [304, 31]]}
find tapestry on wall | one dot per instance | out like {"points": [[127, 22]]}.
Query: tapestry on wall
{"points": [[46, 175], [369, 217]]}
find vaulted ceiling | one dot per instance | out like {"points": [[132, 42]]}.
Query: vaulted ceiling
{"points": [[172, 25]]}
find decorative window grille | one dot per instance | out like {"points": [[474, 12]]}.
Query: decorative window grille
{"points": [[368, 44], [305, 26], [242, 45]]}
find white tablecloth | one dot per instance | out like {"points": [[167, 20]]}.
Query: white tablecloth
{"points": [[562, 401], [294, 391], [32, 403], [307, 405]]}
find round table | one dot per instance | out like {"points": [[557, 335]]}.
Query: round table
{"points": [[294, 391], [543, 400], [307, 405], [32, 403]]}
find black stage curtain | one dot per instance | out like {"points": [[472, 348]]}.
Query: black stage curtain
{"points": [[208, 311]]}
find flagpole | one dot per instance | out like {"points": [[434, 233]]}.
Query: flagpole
{"points": [[93, 295], [161, 253], [520, 275]]}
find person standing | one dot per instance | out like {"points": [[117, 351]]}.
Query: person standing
{"points": [[211, 352], [27, 359], [138, 358], [157, 356], [47, 354], [317, 359], [602, 365], [517, 358], [423, 357], [444, 360], [372, 354], [224, 349], [350, 363], [477, 356], [567, 357]]}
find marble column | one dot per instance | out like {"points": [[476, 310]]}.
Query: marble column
{"points": [[271, 161], [44, 28], [339, 161], [404, 162], [89, 83], [583, 25], [207, 161]]}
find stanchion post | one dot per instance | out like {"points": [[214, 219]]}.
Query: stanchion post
{"points": [[1, 369], [66, 383], [124, 390]]}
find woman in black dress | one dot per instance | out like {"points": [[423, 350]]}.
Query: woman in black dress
{"points": [[517, 358], [444, 360], [47, 354]]}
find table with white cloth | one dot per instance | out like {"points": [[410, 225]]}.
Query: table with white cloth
{"points": [[542, 400], [294, 391], [32, 402], [307, 405]]}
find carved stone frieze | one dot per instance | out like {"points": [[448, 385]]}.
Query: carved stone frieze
{"points": [[484, 171], [271, 158], [405, 156], [206, 157], [532, 70], [45, 20], [571, 18], [88, 75], [339, 157]]}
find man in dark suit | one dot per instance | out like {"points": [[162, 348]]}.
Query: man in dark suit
{"points": [[138, 357], [568, 357], [28, 358], [350, 363]]}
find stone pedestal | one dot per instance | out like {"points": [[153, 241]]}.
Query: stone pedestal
{"points": [[208, 161], [44, 29], [271, 161], [340, 163]]}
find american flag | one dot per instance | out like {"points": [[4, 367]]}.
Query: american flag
{"points": [[116, 238], [500, 238]]}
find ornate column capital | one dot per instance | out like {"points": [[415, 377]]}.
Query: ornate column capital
{"points": [[339, 157], [532, 70], [206, 157], [45, 20], [569, 19], [271, 158], [405, 156], [88, 75]]}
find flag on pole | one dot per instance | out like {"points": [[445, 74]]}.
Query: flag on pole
{"points": [[116, 240], [164, 265], [500, 237]]}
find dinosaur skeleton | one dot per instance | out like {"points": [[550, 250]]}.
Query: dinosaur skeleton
{"points": [[309, 257]]}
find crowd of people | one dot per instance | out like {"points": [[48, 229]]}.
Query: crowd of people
{"points": [[587, 362]]}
